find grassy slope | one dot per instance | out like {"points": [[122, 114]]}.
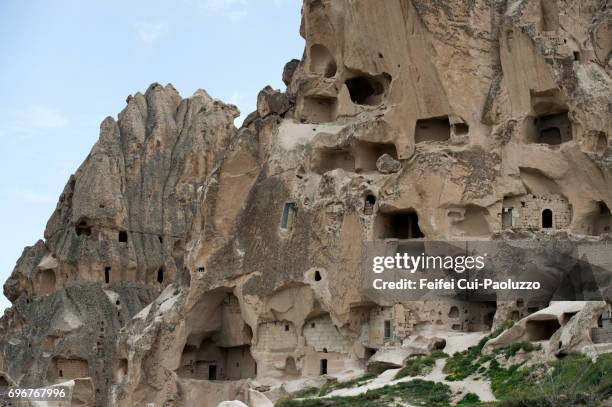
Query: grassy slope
{"points": [[570, 381]]}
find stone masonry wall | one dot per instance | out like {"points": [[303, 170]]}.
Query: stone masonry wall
{"points": [[321, 334], [378, 316], [527, 211], [277, 336], [603, 334]]}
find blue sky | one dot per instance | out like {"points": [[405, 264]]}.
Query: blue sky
{"points": [[67, 64]]}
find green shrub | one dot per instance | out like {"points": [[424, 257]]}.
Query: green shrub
{"points": [[420, 365], [469, 399], [516, 347], [334, 385], [463, 364], [571, 380], [415, 392]]}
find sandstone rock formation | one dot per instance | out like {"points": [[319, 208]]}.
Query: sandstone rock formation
{"points": [[188, 261], [565, 325]]}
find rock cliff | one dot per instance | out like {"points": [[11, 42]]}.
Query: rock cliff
{"points": [[188, 261]]}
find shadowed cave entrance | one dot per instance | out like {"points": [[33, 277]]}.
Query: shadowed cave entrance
{"points": [[83, 228], [599, 221], [368, 90], [361, 156], [547, 219], [398, 225], [433, 129], [540, 330], [551, 129], [224, 352]]}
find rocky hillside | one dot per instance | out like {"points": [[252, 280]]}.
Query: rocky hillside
{"points": [[189, 262]]}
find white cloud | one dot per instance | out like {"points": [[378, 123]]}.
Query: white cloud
{"points": [[149, 32]]}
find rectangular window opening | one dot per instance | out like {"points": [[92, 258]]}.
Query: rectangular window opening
{"points": [[323, 366], [289, 212], [387, 329]]}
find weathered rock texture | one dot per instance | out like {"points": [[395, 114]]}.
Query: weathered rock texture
{"points": [[405, 119]]}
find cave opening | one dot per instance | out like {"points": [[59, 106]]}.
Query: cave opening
{"points": [[399, 225], [83, 228], [553, 129], [547, 219], [330, 159], [123, 236], [367, 90], [540, 330], [435, 129], [323, 367], [322, 61], [368, 206], [367, 154], [318, 109]]}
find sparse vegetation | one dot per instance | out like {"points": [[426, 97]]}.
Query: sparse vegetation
{"points": [[516, 347], [463, 364], [335, 385], [469, 399], [306, 393], [420, 365], [570, 381], [416, 392], [573, 380]]}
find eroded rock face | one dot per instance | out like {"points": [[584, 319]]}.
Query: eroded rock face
{"points": [[464, 120], [116, 238]]}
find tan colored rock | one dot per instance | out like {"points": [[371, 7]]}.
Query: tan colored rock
{"points": [[576, 334], [270, 101], [187, 258], [234, 403], [256, 399], [387, 164], [565, 326], [391, 358]]}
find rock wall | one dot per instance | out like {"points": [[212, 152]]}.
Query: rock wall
{"points": [[187, 257]]}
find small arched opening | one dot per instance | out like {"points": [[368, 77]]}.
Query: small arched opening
{"points": [[547, 219], [160, 275], [123, 236], [368, 206], [602, 143], [82, 228], [487, 319], [368, 90], [322, 61], [323, 367], [290, 367]]}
